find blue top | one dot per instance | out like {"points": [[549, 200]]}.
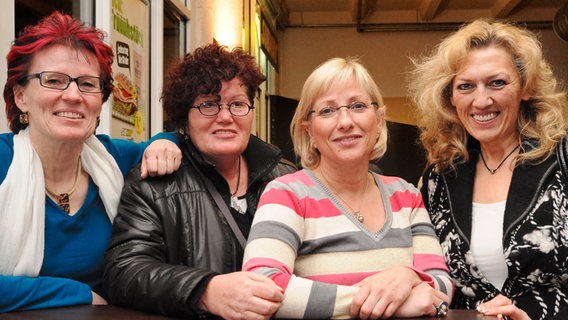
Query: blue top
{"points": [[74, 245]]}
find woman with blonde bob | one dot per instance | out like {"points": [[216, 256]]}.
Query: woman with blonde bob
{"points": [[493, 122], [340, 240]]}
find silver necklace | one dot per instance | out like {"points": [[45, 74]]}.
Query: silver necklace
{"points": [[234, 200], [356, 213], [492, 171]]}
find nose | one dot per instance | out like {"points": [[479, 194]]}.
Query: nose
{"points": [[344, 119], [73, 90], [224, 113], [482, 98]]}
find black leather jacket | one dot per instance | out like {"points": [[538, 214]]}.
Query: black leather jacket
{"points": [[169, 238]]}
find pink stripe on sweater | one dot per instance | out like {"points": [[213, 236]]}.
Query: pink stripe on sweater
{"points": [[318, 208]]}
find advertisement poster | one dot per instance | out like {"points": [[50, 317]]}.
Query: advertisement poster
{"points": [[129, 38]]}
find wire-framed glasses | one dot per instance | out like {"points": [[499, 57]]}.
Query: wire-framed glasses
{"points": [[330, 111], [212, 108], [61, 81]]}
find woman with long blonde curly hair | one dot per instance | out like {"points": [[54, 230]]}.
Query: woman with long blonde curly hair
{"points": [[493, 122]]}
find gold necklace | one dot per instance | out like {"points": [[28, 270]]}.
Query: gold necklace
{"points": [[500, 164], [356, 213], [63, 198]]}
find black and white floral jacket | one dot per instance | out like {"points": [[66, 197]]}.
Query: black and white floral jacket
{"points": [[535, 235]]}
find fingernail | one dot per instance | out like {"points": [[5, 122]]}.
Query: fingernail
{"points": [[480, 309], [500, 316]]}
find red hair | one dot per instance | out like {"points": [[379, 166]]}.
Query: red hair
{"points": [[57, 28]]}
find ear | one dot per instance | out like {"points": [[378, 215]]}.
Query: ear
{"points": [[452, 100], [308, 129], [19, 97], [526, 96]]}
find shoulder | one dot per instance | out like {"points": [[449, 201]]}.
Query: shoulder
{"points": [[112, 144], [6, 153], [284, 167], [293, 177], [7, 143], [396, 183]]}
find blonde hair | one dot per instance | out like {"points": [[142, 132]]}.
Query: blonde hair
{"points": [[335, 71], [443, 136]]}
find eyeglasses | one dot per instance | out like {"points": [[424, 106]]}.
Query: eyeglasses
{"points": [[212, 108], [331, 111], [61, 81]]}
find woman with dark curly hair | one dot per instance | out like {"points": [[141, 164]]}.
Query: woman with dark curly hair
{"points": [[493, 122], [59, 182], [178, 241]]}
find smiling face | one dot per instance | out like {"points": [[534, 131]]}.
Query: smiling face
{"points": [[347, 136], [64, 115], [223, 135], [487, 95]]}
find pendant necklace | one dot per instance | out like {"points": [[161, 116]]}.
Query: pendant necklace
{"points": [[234, 200], [63, 198], [492, 171], [356, 213]]}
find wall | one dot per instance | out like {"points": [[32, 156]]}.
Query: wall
{"points": [[385, 54], [7, 30], [217, 19]]}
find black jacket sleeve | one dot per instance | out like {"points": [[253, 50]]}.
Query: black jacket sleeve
{"points": [[137, 274]]}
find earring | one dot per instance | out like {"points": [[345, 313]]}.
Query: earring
{"points": [[24, 118], [98, 122]]}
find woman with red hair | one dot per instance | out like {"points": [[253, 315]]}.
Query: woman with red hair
{"points": [[59, 182]]}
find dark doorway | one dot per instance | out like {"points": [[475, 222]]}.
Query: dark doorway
{"points": [[281, 113]]}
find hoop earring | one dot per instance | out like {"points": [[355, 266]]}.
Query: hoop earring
{"points": [[24, 118]]}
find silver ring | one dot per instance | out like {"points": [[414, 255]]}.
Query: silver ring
{"points": [[442, 309]]}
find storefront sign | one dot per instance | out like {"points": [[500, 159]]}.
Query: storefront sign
{"points": [[129, 38]]}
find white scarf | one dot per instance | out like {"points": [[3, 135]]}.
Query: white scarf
{"points": [[22, 202]]}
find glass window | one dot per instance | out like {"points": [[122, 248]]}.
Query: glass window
{"points": [[174, 40], [29, 12]]}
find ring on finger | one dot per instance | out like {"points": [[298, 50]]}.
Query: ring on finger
{"points": [[442, 309]]}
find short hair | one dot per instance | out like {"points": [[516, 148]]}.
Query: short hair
{"points": [[335, 71], [201, 73], [57, 28], [444, 138]]}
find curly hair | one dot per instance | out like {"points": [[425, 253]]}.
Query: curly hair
{"points": [[57, 28], [335, 71], [542, 117], [201, 73]]}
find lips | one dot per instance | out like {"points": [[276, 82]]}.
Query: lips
{"points": [[70, 115], [346, 139], [485, 117], [224, 132]]}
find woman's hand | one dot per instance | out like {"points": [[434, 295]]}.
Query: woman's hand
{"points": [[98, 300], [241, 295], [502, 306], [381, 294], [423, 301], [161, 157]]}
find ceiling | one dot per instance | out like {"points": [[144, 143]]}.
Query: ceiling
{"points": [[411, 15]]}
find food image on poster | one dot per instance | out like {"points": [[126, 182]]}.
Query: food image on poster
{"points": [[125, 98]]}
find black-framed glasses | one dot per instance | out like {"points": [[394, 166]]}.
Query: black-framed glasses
{"points": [[61, 81], [212, 108], [330, 111]]}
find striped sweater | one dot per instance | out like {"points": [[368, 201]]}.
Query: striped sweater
{"points": [[315, 249]]}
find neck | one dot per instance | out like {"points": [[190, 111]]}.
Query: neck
{"points": [[59, 160], [344, 177], [495, 165], [228, 167], [343, 181]]}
